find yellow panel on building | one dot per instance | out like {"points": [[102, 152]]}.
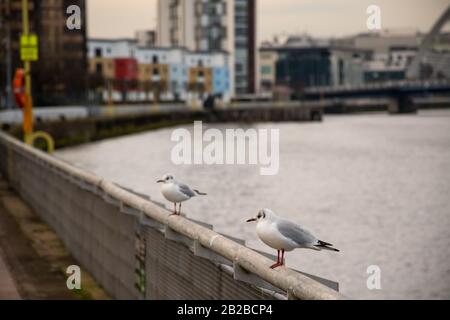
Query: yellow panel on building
{"points": [[107, 66], [200, 79]]}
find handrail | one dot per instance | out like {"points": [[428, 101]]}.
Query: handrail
{"points": [[296, 285]]}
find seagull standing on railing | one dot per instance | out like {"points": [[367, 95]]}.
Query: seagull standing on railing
{"points": [[177, 192], [285, 235]]}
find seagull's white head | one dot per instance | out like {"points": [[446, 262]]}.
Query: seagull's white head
{"points": [[167, 178], [263, 214]]}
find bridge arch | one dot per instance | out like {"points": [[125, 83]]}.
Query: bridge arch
{"points": [[413, 71]]}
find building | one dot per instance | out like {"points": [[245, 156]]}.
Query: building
{"points": [[348, 65], [214, 25], [386, 55], [156, 73], [290, 63], [267, 73], [246, 58], [382, 42], [389, 66], [198, 25], [146, 38], [60, 75], [299, 62]]}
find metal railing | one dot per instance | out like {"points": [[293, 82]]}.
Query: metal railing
{"points": [[385, 85], [133, 248]]}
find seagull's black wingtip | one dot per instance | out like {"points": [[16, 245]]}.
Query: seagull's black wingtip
{"points": [[326, 246], [200, 193]]}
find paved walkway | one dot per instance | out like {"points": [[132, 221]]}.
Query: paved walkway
{"points": [[8, 289], [33, 258], [22, 269]]}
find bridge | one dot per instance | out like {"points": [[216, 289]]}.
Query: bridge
{"points": [[400, 93], [414, 70]]}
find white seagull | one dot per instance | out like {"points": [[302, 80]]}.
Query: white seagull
{"points": [[177, 192], [285, 235]]}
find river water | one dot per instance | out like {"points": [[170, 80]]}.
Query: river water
{"points": [[376, 186]]}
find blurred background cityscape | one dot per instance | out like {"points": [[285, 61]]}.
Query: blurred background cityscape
{"points": [[212, 48]]}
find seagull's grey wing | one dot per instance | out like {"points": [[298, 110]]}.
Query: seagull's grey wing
{"points": [[186, 190], [293, 231]]}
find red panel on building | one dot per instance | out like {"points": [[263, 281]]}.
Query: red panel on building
{"points": [[126, 74], [126, 69]]}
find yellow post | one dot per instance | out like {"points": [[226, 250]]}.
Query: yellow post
{"points": [[155, 99], [28, 108], [111, 107]]}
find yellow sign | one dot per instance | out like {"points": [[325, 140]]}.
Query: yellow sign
{"points": [[29, 50]]}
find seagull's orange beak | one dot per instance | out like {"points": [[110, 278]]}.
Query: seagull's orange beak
{"points": [[251, 220]]}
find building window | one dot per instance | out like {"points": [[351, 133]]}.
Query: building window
{"points": [[98, 52], [214, 32], [204, 45], [266, 69], [99, 68], [241, 31], [204, 20], [155, 59], [220, 9], [241, 20]]}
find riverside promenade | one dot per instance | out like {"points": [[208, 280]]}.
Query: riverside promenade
{"points": [[33, 260], [132, 247]]}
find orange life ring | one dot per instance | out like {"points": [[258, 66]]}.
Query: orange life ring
{"points": [[19, 88]]}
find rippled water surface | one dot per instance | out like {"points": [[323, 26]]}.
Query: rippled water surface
{"points": [[377, 186]]}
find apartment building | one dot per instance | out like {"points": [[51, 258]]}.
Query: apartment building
{"points": [[214, 25], [148, 73]]}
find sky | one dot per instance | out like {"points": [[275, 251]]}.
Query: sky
{"points": [[320, 18]]}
